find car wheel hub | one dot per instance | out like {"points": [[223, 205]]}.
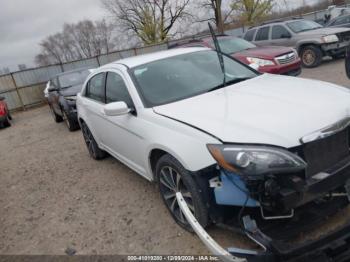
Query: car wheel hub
{"points": [[309, 57], [170, 184]]}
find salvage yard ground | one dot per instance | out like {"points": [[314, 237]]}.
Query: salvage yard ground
{"points": [[53, 196]]}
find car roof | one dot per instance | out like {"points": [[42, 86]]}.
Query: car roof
{"points": [[341, 16], [147, 58], [72, 71], [278, 21]]}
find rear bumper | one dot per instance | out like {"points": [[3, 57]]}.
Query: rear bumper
{"points": [[334, 246], [292, 69]]}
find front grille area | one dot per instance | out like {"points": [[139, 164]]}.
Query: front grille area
{"points": [[345, 36], [325, 153], [286, 58]]}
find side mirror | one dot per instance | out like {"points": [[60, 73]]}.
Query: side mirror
{"points": [[287, 36], [52, 89], [116, 109]]}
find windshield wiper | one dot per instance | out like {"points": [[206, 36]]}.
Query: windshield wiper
{"points": [[231, 82]]}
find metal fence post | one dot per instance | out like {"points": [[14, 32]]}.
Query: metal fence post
{"points": [[18, 93], [61, 66]]}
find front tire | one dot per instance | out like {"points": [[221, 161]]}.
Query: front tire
{"points": [[72, 124], [311, 56], [172, 178], [94, 151]]}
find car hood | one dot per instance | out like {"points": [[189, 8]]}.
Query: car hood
{"points": [[325, 31], [268, 109], [266, 52], [71, 91]]}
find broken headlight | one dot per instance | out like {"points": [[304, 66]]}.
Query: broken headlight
{"points": [[256, 160]]}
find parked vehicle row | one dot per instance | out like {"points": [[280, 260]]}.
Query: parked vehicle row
{"points": [[256, 152], [62, 92], [268, 59], [310, 39]]}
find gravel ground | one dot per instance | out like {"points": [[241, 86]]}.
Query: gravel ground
{"points": [[53, 196]]}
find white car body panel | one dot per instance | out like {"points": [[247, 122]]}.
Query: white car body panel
{"points": [[131, 139], [269, 109]]}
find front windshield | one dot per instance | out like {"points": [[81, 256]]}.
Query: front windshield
{"points": [[233, 45], [183, 76], [73, 78], [303, 25]]}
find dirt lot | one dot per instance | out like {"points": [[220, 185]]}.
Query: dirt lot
{"points": [[53, 196]]}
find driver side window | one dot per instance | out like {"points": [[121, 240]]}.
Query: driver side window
{"points": [[280, 32], [95, 88], [116, 90]]}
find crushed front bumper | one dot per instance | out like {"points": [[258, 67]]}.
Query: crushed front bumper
{"points": [[335, 48], [334, 246]]}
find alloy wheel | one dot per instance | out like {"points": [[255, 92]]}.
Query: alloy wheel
{"points": [[170, 184], [89, 140], [309, 57]]}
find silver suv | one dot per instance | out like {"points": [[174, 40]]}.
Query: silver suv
{"points": [[310, 39]]}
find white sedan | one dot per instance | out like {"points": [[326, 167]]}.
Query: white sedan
{"points": [[243, 151]]}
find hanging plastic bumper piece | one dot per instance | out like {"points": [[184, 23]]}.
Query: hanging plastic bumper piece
{"points": [[334, 246]]}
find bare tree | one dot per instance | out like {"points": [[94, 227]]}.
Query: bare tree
{"points": [[153, 21], [218, 16], [76, 41]]}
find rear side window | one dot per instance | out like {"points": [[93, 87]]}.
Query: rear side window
{"points": [[263, 34], [96, 88], [250, 35], [280, 32], [116, 90]]}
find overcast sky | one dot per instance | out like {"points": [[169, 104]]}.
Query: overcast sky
{"points": [[24, 23]]}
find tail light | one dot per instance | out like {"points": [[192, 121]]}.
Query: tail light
{"points": [[2, 109]]}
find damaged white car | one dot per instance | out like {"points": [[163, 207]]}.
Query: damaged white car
{"points": [[265, 154]]}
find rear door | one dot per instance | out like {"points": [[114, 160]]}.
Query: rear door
{"points": [[262, 36], [123, 134]]}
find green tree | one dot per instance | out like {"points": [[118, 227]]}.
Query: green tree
{"points": [[252, 11]]}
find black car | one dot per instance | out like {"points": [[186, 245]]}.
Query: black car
{"points": [[62, 96]]}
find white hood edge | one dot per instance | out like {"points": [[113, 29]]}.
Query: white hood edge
{"points": [[269, 109]]}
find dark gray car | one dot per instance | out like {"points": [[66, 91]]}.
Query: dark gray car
{"points": [[310, 39], [63, 91], [340, 21]]}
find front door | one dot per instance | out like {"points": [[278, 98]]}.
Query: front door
{"points": [[123, 134]]}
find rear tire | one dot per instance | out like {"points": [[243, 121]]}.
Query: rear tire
{"points": [[311, 56], [94, 151], [72, 124], [172, 178], [56, 118]]}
